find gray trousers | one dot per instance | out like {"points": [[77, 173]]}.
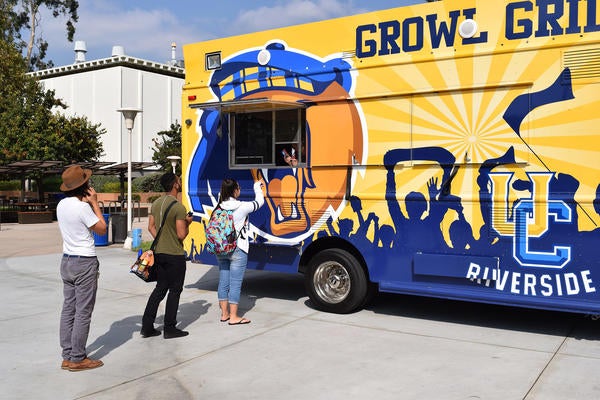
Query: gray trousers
{"points": [[80, 284]]}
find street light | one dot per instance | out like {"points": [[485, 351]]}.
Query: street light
{"points": [[174, 160], [129, 115]]}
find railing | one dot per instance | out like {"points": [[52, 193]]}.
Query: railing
{"points": [[133, 206]]}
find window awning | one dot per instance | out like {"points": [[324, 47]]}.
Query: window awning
{"points": [[252, 105]]}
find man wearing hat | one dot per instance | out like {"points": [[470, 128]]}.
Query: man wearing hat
{"points": [[78, 216]]}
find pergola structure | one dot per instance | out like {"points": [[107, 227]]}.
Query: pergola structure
{"points": [[23, 168]]}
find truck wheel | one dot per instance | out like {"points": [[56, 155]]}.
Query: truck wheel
{"points": [[336, 282]]}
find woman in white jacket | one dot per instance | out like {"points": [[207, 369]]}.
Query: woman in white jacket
{"points": [[233, 266]]}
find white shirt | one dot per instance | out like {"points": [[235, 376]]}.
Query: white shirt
{"points": [[75, 218], [242, 209]]}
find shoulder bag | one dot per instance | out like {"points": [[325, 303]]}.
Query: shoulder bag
{"points": [[144, 267]]}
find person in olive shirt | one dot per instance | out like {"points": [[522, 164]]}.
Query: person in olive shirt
{"points": [[169, 257]]}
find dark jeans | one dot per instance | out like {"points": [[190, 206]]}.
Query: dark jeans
{"points": [[170, 274]]}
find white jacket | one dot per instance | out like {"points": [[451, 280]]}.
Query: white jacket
{"points": [[242, 209]]}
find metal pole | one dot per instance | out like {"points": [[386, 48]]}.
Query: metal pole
{"points": [[129, 188], [129, 115]]}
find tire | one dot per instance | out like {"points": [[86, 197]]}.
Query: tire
{"points": [[336, 282]]}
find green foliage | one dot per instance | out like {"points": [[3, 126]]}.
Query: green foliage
{"points": [[10, 23], [10, 185], [98, 182], [145, 246], [51, 184], [113, 187], [110, 184], [168, 144], [147, 183], [23, 12], [29, 128], [71, 139], [24, 107], [152, 198]]}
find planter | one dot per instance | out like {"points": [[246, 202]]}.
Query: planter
{"points": [[34, 217]]}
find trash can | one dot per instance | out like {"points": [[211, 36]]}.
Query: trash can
{"points": [[136, 238], [102, 240], [119, 227]]}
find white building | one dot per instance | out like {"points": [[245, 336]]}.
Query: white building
{"points": [[96, 89]]}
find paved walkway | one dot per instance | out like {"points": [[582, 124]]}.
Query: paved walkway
{"points": [[400, 347]]}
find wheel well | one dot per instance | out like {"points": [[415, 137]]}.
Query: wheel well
{"points": [[330, 242]]}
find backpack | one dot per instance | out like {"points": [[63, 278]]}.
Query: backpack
{"points": [[220, 232]]}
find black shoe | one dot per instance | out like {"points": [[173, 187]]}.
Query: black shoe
{"points": [[174, 333], [149, 333]]}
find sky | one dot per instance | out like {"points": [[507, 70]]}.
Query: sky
{"points": [[146, 28]]}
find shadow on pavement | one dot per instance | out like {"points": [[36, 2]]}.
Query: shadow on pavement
{"points": [[260, 284], [530, 320], [123, 330]]}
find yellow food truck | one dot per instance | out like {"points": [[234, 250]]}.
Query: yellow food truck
{"points": [[448, 149]]}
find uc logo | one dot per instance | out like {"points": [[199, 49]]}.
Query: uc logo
{"points": [[527, 221]]}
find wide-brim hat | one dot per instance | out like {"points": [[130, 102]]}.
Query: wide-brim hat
{"points": [[74, 177]]}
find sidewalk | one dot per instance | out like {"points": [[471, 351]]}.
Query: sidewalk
{"points": [[401, 347], [35, 239]]}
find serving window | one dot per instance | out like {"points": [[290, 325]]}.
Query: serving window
{"points": [[263, 133], [274, 138]]}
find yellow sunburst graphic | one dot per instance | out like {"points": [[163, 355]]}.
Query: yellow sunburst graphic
{"points": [[458, 104]]}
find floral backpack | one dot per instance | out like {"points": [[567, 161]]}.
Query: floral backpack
{"points": [[221, 237]]}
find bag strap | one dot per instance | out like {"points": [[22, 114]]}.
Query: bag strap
{"points": [[161, 225]]}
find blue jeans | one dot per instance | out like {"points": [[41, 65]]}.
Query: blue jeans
{"points": [[231, 274]]}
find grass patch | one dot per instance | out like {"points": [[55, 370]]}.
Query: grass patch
{"points": [[145, 246]]}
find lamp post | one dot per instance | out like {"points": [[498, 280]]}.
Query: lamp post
{"points": [[174, 160], [129, 115]]}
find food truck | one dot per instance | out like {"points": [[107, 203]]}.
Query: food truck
{"points": [[448, 149]]}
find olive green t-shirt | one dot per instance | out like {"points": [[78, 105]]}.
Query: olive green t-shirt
{"points": [[168, 242]]}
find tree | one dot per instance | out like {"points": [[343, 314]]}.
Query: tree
{"points": [[69, 139], [168, 144], [24, 105], [29, 129], [9, 22], [27, 16]]}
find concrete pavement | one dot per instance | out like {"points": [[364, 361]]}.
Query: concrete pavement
{"points": [[400, 347]]}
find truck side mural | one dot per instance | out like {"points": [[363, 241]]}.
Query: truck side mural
{"points": [[435, 150]]}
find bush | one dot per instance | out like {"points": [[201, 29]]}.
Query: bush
{"points": [[152, 198], [148, 183], [113, 187], [10, 185], [51, 184], [106, 184], [145, 246]]}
